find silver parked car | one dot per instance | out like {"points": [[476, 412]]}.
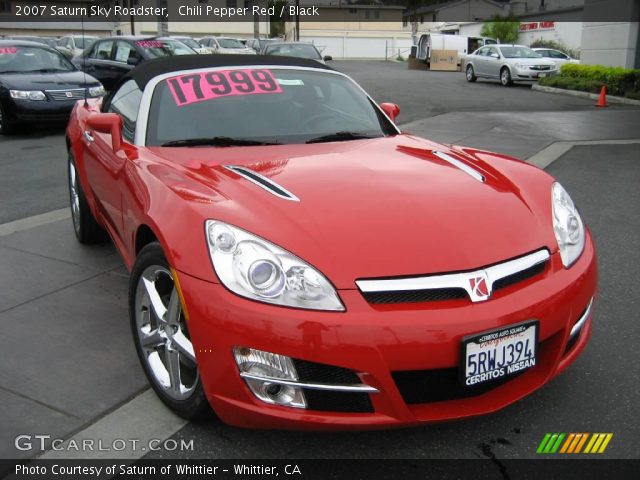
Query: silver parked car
{"points": [[226, 45], [296, 49], [508, 63], [556, 56]]}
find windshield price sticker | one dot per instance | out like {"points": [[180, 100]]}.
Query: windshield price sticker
{"points": [[499, 353], [8, 50], [150, 44], [196, 87]]}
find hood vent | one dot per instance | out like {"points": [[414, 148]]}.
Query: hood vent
{"points": [[263, 182], [461, 165]]}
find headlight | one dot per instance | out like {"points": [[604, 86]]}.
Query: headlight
{"points": [[255, 268], [567, 225], [28, 94], [521, 66], [97, 91]]}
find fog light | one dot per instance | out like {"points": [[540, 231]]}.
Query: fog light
{"points": [[262, 371]]}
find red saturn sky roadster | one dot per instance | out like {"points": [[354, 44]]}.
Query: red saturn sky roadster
{"points": [[298, 262]]}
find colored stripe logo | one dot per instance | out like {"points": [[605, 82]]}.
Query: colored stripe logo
{"points": [[574, 443]]}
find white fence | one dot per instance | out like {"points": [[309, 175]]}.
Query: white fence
{"points": [[361, 47]]}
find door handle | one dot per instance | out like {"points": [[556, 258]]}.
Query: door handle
{"points": [[87, 136]]}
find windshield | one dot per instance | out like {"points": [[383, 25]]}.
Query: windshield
{"points": [[164, 48], [21, 59], [293, 50], [85, 42], [230, 43], [270, 106], [190, 42], [519, 52]]}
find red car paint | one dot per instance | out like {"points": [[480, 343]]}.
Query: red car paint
{"points": [[383, 207]]}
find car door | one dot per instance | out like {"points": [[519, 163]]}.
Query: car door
{"points": [[479, 61], [103, 166], [493, 61], [558, 57], [98, 62], [125, 58]]}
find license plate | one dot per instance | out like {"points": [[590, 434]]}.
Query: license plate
{"points": [[499, 353], [541, 75]]}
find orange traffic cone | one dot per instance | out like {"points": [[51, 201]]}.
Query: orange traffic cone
{"points": [[602, 101]]}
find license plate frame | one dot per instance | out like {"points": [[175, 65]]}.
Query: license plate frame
{"points": [[500, 335], [542, 75]]}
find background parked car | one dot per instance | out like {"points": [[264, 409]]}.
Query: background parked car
{"points": [[259, 44], [110, 58], [296, 49], [74, 45], [508, 63], [33, 38], [558, 57], [226, 45], [193, 43], [38, 84]]}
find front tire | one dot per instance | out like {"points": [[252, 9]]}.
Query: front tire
{"points": [[161, 336], [471, 76], [505, 77], [85, 226]]}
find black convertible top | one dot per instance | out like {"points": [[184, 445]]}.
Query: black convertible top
{"points": [[150, 69]]}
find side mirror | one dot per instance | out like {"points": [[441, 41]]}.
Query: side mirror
{"points": [[109, 123], [133, 61], [391, 109], [494, 55], [328, 58]]}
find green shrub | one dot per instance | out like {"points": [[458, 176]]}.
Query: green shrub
{"points": [[590, 78]]}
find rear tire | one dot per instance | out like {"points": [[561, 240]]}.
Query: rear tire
{"points": [[505, 77], [470, 73], [85, 226], [161, 336]]}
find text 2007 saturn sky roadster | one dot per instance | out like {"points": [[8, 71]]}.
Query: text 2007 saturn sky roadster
{"points": [[298, 262]]}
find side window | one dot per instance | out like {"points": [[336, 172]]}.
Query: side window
{"points": [[126, 53], [126, 103], [555, 54], [483, 52], [102, 50], [492, 51]]}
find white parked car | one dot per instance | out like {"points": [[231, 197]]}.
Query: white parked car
{"points": [[226, 45], [73, 45], [508, 63], [191, 42], [558, 57]]}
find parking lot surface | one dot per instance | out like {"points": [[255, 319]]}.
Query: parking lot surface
{"points": [[69, 359]]}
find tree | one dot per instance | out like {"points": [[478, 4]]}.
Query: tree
{"points": [[504, 29]]}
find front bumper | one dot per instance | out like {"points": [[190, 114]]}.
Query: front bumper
{"points": [[381, 341], [44, 111], [528, 75]]}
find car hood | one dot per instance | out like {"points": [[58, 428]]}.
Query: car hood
{"points": [[46, 81], [371, 208]]}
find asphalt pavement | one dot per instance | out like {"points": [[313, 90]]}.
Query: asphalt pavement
{"points": [[68, 359]]}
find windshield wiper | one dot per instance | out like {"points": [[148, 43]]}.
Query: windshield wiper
{"points": [[340, 137], [217, 142]]}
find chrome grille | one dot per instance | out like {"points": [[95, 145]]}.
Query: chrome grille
{"points": [[540, 67], [72, 94], [455, 285]]}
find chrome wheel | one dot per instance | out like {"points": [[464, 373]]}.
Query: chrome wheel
{"points": [[74, 198], [470, 76], [162, 334], [505, 77]]}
